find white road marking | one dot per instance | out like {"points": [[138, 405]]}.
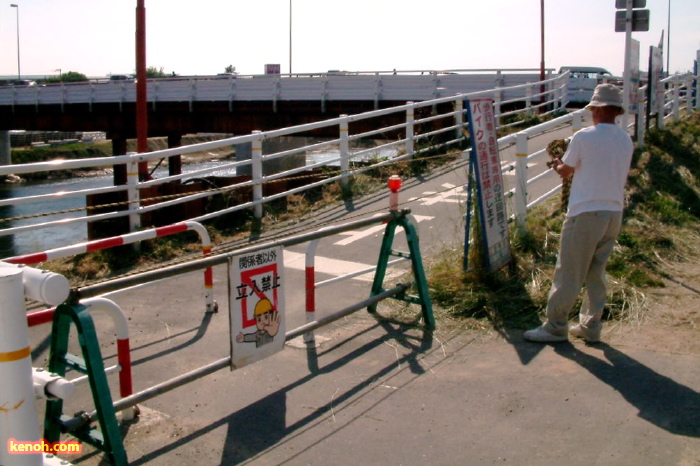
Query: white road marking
{"points": [[444, 196], [359, 234], [335, 267]]}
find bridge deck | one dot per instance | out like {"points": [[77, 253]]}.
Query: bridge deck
{"points": [[329, 87]]}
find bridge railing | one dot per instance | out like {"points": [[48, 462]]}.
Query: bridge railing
{"points": [[426, 126], [321, 87]]}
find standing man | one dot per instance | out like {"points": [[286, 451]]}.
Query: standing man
{"points": [[600, 156]]}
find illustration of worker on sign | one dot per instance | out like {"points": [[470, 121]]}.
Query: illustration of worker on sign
{"points": [[267, 321]]}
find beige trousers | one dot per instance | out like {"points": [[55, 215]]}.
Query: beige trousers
{"points": [[586, 243]]}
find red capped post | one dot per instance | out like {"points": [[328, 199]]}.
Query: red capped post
{"points": [[394, 187]]}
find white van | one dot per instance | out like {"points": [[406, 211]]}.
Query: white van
{"points": [[583, 81]]}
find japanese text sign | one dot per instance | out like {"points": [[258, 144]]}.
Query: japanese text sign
{"points": [[256, 305], [489, 181]]}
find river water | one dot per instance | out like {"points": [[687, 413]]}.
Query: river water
{"points": [[48, 238]]}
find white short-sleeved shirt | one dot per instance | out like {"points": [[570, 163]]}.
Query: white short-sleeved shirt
{"points": [[601, 156]]}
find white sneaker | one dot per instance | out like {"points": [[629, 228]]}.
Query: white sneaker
{"points": [[591, 336], [541, 335]]}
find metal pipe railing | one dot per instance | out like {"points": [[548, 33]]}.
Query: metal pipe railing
{"points": [[134, 210], [211, 261], [557, 87], [168, 385]]}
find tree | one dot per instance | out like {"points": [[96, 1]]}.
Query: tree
{"points": [[153, 72], [69, 77], [230, 69]]}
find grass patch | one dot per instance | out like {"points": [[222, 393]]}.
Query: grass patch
{"points": [[660, 224]]}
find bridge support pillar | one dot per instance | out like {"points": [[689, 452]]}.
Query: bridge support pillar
{"points": [[272, 146], [119, 148], [5, 150], [244, 152], [174, 161]]}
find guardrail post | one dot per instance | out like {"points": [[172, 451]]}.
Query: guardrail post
{"points": [[661, 105], [521, 179], [193, 92], [497, 97], [641, 112], [528, 100], [689, 92], [92, 96], [377, 90], [459, 118], [344, 151], [577, 121], [560, 96], [696, 78], [410, 127], [257, 175], [676, 99], [132, 179], [565, 88]]}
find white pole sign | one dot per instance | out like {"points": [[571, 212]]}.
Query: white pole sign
{"points": [[655, 78], [256, 306], [634, 76], [489, 182]]}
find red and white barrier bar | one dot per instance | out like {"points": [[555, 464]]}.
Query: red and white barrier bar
{"points": [[130, 238]]}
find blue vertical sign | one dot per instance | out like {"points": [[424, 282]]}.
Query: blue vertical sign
{"points": [[486, 163]]}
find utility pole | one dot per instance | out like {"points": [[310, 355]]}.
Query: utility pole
{"points": [[141, 88], [19, 73], [542, 49], [290, 38]]}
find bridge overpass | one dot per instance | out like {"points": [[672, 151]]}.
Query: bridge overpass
{"points": [[237, 104]]}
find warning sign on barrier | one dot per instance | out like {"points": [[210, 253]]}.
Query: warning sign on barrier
{"points": [[256, 306]]}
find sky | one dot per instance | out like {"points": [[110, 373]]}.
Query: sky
{"points": [[202, 37]]}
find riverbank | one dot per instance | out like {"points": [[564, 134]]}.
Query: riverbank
{"points": [[104, 149]]}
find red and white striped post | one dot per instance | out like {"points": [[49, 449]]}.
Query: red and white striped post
{"points": [[123, 347], [310, 287]]}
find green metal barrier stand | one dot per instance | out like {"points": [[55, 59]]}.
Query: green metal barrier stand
{"points": [[108, 438], [423, 298]]}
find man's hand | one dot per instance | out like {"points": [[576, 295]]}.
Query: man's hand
{"points": [[562, 169]]}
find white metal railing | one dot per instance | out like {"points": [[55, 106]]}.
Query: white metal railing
{"points": [[322, 87], [416, 140], [677, 94]]}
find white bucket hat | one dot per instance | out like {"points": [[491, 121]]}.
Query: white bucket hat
{"points": [[606, 94]]}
